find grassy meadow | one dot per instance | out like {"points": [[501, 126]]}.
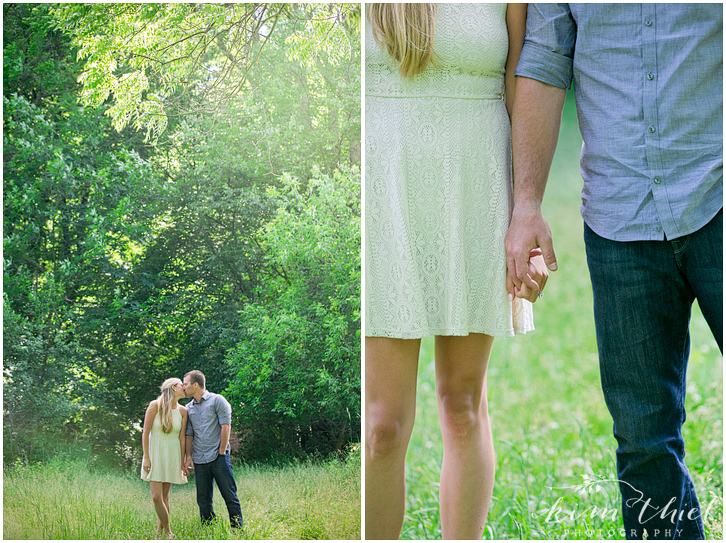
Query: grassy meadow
{"points": [[552, 431], [69, 499]]}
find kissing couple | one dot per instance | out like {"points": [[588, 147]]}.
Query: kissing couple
{"points": [[177, 439]]}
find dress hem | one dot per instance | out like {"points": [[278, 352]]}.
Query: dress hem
{"points": [[172, 482], [425, 333]]}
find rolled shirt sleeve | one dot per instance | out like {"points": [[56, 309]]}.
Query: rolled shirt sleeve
{"points": [[224, 410], [549, 45]]}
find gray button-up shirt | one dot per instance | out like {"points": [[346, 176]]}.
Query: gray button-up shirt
{"points": [[648, 83], [205, 426]]}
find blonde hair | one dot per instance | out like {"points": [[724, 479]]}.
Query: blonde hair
{"points": [[164, 403], [406, 31]]}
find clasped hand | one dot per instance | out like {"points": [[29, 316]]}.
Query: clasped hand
{"points": [[537, 271], [529, 253], [187, 466]]}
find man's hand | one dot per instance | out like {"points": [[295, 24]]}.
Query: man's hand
{"points": [[528, 230], [189, 464]]}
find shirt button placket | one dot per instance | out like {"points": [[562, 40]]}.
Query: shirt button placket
{"points": [[649, 60], [650, 92]]}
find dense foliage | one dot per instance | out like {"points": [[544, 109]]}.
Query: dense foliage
{"points": [[228, 240], [296, 369]]}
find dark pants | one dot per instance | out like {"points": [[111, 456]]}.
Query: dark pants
{"points": [[643, 292], [219, 470]]}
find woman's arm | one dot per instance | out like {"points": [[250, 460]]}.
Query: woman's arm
{"points": [[148, 422], [183, 439], [516, 25]]}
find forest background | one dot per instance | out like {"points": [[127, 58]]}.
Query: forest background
{"points": [[181, 191]]}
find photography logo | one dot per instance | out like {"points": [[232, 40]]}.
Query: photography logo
{"points": [[591, 510]]}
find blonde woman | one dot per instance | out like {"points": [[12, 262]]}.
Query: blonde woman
{"points": [[164, 441], [439, 89]]}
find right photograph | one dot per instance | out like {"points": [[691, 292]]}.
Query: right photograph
{"points": [[526, 351]]}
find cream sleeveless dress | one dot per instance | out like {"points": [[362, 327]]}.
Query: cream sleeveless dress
{"points": [[165, 452], [438, 185]]}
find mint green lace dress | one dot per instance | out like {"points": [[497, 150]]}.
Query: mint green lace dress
{"points": [[438, 185], [165, 452]]}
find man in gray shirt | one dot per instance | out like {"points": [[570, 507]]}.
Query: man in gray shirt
{"points": [[648, 82], [208, 429]]}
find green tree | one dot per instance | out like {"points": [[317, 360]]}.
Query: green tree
{"points": [[296, 373], [127, 262], [157, 60], [73, 214]]}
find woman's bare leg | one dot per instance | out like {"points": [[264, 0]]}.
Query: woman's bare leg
{"points": [[390, 408], [467, 473], [157, 496], [165, 497]]}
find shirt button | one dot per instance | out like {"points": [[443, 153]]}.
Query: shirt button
{"points": [[648, 22], [650, 76], [651, 129], [657, 180]]}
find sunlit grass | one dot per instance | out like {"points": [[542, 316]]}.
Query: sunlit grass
{"points": [[68, 499], [552, 431]]}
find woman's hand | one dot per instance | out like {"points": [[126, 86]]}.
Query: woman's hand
{"points": [[184, 469], [147, 464], [537, 270]]}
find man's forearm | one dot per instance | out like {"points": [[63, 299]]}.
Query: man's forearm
{"points": [[189, 446], [226, 429], [535, 129]]}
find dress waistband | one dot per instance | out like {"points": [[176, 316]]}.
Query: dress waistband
{"points": [[382, 82]]}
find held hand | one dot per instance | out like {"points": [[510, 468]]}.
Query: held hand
{"points": [[189, 463], [538, 271], [184, 469], [147, 464], [528, 230]]}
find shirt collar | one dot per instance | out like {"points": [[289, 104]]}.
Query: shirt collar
{"points": [[205, 396]]}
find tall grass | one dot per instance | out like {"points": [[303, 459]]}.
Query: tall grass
{"points": [[553, 434], [67, 498]]}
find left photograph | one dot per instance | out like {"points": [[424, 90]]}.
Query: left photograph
{"points": [[181, 271]]}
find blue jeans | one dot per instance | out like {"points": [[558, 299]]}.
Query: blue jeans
{"points": [[219, 470], [643, 292]]}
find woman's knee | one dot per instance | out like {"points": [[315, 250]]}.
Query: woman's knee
{"points": [[386, 435], [157, 496], [461, 413]]}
